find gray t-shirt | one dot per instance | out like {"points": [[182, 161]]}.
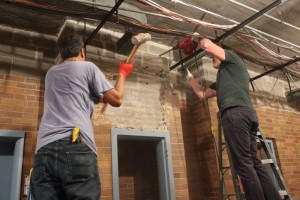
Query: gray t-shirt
{"points": [[72, 90]]}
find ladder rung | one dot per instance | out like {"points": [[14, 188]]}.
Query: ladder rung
{"points": [[267, 161], [283, 192], [226, 167], [224, 147], [230, 194]]}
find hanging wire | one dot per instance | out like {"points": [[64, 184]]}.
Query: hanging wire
{"points": [[184, 18], [127, 21]]}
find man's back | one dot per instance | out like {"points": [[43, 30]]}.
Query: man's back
{"points": [[232, 83], [72, 88]]}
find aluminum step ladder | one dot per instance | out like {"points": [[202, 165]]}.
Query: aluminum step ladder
{"points": [[271, 161], [223, 169]]}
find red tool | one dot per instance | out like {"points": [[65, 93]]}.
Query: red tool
{"points": [[188, 45]]}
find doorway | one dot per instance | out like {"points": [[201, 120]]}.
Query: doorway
{"points": [[142, 165]]}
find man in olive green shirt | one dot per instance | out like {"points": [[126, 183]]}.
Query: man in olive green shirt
{"points": [[239, 119]]}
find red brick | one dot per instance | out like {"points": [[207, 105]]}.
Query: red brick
{"points": [[15, 78]]}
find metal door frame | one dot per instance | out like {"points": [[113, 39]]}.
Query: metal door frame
{"points": [[15, 138], [164, 159]]}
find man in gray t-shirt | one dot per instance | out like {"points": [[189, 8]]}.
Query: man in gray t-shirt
{"points": [[66, 157]]}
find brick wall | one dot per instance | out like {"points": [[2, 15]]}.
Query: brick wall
{"points": [[201, 162], [278, 120], [177, 145], [21, 106], [149, 104], [278, 124], [284, 128], [155, 100], [138, 173], [103, 143]]}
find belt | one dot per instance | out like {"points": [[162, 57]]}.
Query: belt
{"points": [[69, 139], [75, 137], [228, 108]]}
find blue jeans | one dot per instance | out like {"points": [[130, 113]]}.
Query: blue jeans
{"points": [[65, 171], [240, 125]]}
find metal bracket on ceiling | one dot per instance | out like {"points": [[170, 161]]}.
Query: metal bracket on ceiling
{"points": [[231, 31], [103, 21], [289, 83]]}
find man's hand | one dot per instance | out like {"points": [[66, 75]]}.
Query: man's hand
{"points": [[125, 69], [186, 73], [209, 47]]}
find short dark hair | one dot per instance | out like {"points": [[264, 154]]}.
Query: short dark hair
{"points": [[70, 45]]}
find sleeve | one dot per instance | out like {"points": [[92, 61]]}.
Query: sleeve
{"points": [[230, 56], [213, 86], [98, 83]]}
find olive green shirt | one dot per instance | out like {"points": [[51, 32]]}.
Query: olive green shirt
{"points": [[232, 84]]}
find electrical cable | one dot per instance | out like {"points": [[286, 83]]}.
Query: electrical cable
{"points": [[184, 18], [127, 21]]}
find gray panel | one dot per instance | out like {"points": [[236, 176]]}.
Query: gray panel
{"points": [[16, 175], [5, 174], [12, 145], [162, 168]]}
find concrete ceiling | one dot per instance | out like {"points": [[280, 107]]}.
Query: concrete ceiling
{"points": [[276, 33]]}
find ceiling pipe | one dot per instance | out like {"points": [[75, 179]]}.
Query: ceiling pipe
{"points": [[122, 9], [269, 16], [103, 21], [276, 68], [203, 10], [249, 27], [231, 31]]}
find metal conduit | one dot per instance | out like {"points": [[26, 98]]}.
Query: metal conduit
{"points": [[276, 68], [236, 22], [231, 31], [269, 16], [103, 21], [123, 9], [201, 9]]}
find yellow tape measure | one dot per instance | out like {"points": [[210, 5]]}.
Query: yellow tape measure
{"points": [[75, 134], [213, 131]]}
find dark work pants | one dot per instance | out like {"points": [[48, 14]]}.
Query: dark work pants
{"points": [[240, 125], [65, 171]]}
